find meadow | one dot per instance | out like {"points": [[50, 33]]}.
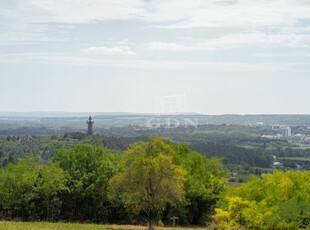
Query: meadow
{"points": [[8, 225]]}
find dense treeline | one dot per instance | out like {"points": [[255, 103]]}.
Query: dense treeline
{"points": [[22, 131], [151, 181], [236, 155], [291, 152], [237, 144], [14, 148], [84, 184]]}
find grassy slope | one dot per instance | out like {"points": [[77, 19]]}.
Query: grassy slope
{"points": [[5, 225]]}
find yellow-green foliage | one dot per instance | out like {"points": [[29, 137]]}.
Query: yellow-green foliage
{"points": [[160, 223], [279, 201], [150, 179]]}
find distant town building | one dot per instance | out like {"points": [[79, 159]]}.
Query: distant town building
{"points": [[264, 127], [275, 127], [286, 132], [89, 126], [277, 164]]}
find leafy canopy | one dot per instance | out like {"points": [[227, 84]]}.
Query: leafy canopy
{"points": [[150, 179]]}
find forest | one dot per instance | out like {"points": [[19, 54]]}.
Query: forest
{"points": [[150, 182], [237, 145], [209, 175]]}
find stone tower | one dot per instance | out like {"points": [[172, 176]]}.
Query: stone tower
{"points": [[90, 126]]}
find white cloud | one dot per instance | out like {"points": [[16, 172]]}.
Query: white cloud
{"points": [[183, 13], [163, 65], [30, 20], [80, 11], [236, 41], [282, 54], [242, 13], [157, 45], [122, 50]]}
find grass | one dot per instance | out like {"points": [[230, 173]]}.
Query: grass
{"points": [[295, 158], [8, 225]]}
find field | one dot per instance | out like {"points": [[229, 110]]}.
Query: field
{"points": [[295, 158], [5, 225]]}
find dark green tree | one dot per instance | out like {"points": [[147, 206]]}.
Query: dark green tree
{"points": [[88, 170]]}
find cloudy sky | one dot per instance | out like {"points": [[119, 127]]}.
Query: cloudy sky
{"points": [[215, 56]]}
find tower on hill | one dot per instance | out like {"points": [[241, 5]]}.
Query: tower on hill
{"points": [[90, 126]]}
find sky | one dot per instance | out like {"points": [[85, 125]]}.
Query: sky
{"points": [[146, 56]]}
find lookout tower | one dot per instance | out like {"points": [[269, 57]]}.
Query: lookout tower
{"points": [[90, 126]]}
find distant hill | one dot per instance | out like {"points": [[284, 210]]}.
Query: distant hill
{"points": [[126, 118], [58, 114]]}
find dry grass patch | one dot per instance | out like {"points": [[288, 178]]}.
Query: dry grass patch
{"points": [[8, 225]]}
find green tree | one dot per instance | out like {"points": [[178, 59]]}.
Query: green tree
{"points": [[50, 182], [28, 184], [280, 200], [206, 178], [150, 179], [89, 169], [16, 186]]}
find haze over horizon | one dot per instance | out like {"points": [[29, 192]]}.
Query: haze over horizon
{"points": [[150, 56], [96, 113]]}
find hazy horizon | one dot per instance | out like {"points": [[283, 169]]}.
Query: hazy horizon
{"points": [[141, 56], [95, 113]]}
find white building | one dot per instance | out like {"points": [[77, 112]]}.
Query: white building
{"points": [[277, 164], [286, 132]]}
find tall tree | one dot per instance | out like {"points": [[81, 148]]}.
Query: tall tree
{"points": [[205, 179], [49, 183], [150, 179]]}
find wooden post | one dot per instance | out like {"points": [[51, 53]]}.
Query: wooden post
{"points": [[174, 218]]}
